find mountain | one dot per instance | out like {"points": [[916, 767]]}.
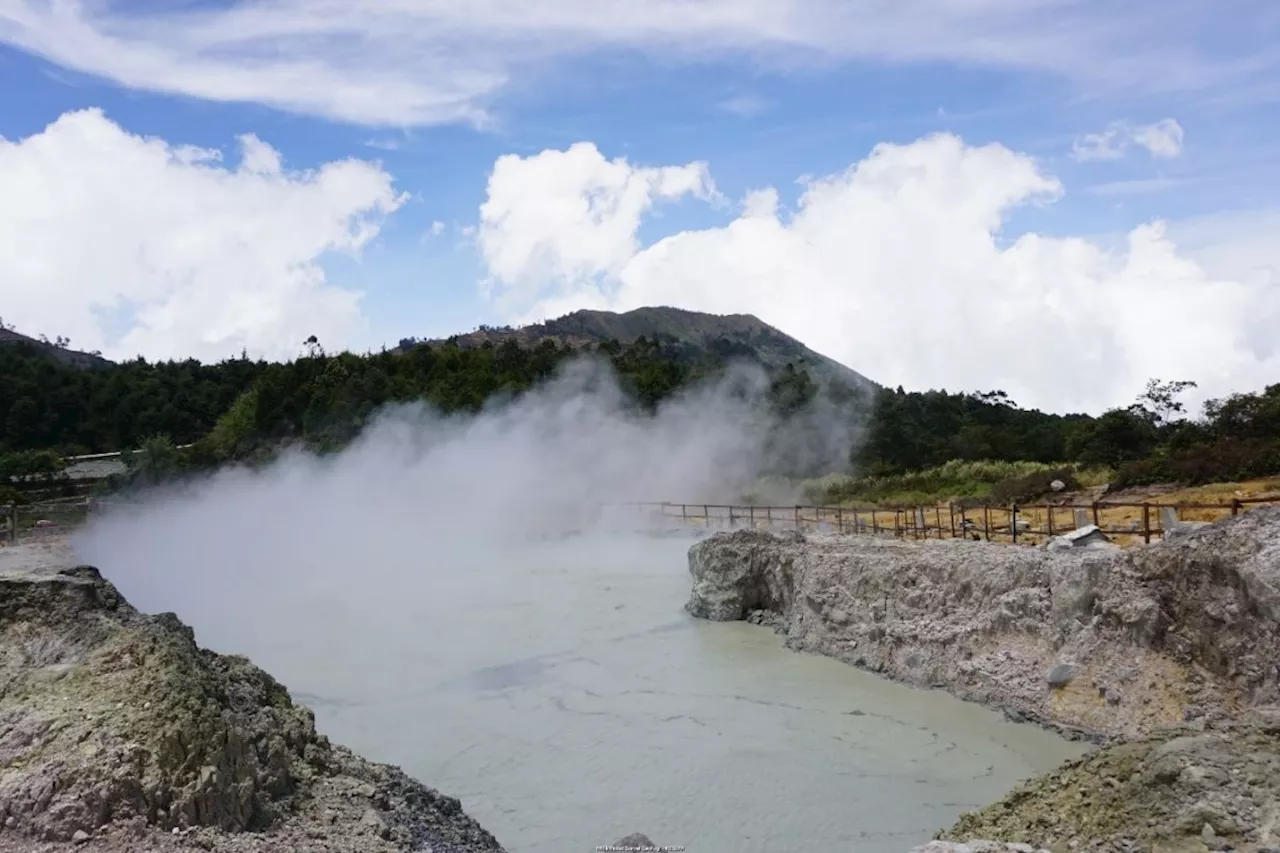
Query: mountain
{"points": [[691, 333], [63, 354]]}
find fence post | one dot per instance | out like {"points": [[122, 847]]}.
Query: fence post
{"points": [[797, 518], [684, 515], [768, 516], [875, 524], [1013, 523], [1235, 506], [1048, 508], [840, 519], [1146, 523], [12, 523], [1096, 522], [730, 516], [706, 513], [752, 512], [986, 522], [951, 509]]}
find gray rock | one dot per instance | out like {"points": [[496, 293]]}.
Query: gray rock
{"points": [[1061, 675], [989, 621], [375, 823], [173, 744], [1183, 529]]}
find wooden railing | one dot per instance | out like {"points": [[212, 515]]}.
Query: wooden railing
{"points": [[1028, 524]]}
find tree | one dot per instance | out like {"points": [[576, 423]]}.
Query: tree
{"points": [[156, 461], [1159, 404], [1118, 436]]}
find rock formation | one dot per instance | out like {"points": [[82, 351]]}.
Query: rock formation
{"points": [[1171, 652], [117, 732], [1094, 643], [1176, 789]]}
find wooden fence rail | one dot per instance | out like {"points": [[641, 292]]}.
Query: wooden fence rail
{"points": [[1029, 524]]}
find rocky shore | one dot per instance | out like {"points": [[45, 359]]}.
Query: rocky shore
{"points": [[1168, 655], [119, 733]]}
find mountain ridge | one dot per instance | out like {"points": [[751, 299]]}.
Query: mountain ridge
{"points": [[726, 335], [64, 354]]}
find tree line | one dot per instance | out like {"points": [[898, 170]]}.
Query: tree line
{"points": [[244, 409]]}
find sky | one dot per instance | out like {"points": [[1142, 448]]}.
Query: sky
{"points": [[1058, 198]]}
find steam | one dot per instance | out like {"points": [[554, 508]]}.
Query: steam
{"points": [[423, 501]]}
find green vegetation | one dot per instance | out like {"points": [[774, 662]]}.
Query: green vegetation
{"points": [[916, 447], [996, 481]]}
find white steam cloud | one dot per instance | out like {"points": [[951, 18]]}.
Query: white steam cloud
{"points": [[423, 495]]}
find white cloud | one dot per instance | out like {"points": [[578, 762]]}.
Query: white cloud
{"points": [[1108, 145], [898, 268], [1163, 139], [404, 62], [198, 258], [437, 228], [570, 215]]}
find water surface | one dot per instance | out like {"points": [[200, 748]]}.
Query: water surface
{"points": [[561, 692]]}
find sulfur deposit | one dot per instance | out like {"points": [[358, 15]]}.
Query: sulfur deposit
{"points": [[119, 733]]}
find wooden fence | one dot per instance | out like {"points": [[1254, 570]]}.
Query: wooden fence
{"points": [[1019, 524], [36, 520], [1028, 524]]}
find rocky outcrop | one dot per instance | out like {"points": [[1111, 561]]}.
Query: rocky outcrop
{"points": [[118, 732], [1178, 789], [1094, 643]]}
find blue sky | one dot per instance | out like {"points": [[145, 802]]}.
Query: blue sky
{"points": [[762, 93]]}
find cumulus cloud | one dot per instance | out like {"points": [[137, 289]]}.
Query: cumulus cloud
{"points": [[1162, 139], [569, 215], [900, 268], [134, 245], [400, 63]]}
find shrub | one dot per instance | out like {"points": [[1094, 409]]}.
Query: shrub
{"points": [[1224, 460], [965, 482], [1031, 486], [1143, 472]]}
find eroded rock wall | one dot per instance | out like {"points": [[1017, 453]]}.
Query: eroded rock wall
{"points": [[1094, 643]]}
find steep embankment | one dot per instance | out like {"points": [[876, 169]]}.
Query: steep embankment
{"points": [[117, 732], [1171, 652], [1100, 643]]}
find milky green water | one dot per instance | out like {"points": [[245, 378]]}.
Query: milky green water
{"points": [[563, 694]]}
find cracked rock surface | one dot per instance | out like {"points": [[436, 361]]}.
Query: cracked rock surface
{"points": [[118, 733], [1095, 644]]}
